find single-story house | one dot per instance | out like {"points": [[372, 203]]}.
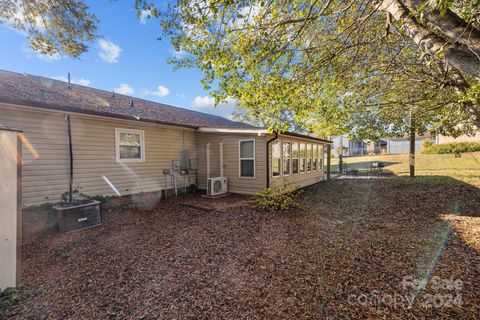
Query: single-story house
{"points": [[343, 145], [347, 147], [440, 139], [124, 146], [398, 145]]}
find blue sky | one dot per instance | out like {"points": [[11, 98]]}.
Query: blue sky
{"points": [[127, 58]]}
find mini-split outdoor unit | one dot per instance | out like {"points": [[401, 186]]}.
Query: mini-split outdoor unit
{"points": [[216, 186]]}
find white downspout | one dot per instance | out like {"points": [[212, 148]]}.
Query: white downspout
{"points": [[208, 160], [221, 159]]}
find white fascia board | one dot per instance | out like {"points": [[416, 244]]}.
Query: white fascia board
{"points": [[235, 130]]}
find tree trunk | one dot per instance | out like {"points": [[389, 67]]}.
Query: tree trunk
{"points": [[451, 26], [462, 86], [462, 59]]}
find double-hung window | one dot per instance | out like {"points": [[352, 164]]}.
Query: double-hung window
{"points": [[130, 145], [295, 158], [286, 157], [276, 158], [247, 158], [315, 157]]}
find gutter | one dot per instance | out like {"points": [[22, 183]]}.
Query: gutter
{"points": [[267, 166], [257, 131]]}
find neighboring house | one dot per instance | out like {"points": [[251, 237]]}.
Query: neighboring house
{"points": [[121, 145], [347, 147], [398, 145], [463, 138]]}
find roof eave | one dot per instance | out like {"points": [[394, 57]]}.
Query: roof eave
{"points": [[299, 135], [68, 109]]}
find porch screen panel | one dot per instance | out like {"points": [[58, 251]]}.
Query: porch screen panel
{"points": [[286, 157], [276, 158], [295, 158], [302, 158]]}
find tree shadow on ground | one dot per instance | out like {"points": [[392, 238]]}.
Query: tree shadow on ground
{"points": [[363, 167], [426, 229]]}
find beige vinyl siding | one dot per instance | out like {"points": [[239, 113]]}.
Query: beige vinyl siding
{"points": [[462, 138], [231, 161], [301, 179], [45, 154], [94, 154], [46, 178]]}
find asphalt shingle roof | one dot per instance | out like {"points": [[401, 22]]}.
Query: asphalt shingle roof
{"points": [[36, 91]]}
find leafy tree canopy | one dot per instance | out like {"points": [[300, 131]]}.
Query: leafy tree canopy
{"points": [[52, 26], [335, 66], [330, 67]]}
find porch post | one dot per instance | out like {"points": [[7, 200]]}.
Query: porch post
{"points": [[10, 202], [329, 147]]}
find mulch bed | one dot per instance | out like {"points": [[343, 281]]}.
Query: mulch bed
{"points": [[344, 254]]}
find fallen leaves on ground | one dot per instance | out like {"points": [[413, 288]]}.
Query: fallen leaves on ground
{"points": [[342, 255]]}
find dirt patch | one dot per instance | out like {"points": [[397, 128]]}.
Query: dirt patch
{"points": [[349, 240], [220, 204]]}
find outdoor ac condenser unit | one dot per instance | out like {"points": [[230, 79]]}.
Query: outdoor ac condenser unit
{"points": [[216, 186]]}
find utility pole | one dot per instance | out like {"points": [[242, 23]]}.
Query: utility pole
{"points": [[411, 156]]}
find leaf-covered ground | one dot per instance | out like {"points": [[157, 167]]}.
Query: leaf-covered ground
{"points": [[343, 254]]}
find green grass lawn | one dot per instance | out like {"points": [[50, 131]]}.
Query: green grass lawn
{"points": [[466, 168]]}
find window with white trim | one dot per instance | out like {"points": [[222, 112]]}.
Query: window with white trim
{"points": [[295, 158], [276, 158], [286, 157], [130, 145], [247, 158]]}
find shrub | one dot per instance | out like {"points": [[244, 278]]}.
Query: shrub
{"points": [[427, 144], [277, 199], [8, 297], [454, 147]]}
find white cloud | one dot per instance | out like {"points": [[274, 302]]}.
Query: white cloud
{"points": [[161, 91], [48, 57], [202, 102], [18, 19], [206, 104], [178, 54], [109, 51], [81, 81], [249, 14], [206, 101], [144, 16], [29, 53], [124, 88]]}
